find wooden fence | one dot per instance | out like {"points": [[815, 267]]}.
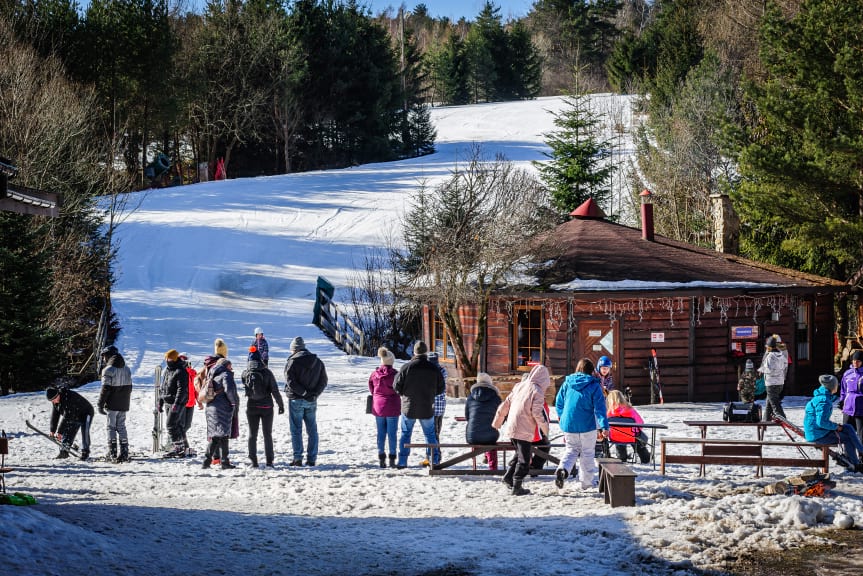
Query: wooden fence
{"points": [[338, 326]]}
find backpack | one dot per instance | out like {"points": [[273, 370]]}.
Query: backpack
{"points": [[204, 387], [256, 386]]}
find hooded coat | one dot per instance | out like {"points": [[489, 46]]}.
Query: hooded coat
{"points": [[175, 385], [257, 363], [220, 410], [116, 385], [418, 382], [774, 365], [580, 404], [305, 376], [523, 410], [851, 397], [385, 401], [479, 411], [816, 419]]}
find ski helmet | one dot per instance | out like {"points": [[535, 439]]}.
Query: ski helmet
{"points": [[603, 361]]}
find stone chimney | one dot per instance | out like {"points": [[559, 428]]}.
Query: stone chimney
{"points": [[726, 225]]}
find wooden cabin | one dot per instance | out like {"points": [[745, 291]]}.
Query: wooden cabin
{"points": [[621, 292]]}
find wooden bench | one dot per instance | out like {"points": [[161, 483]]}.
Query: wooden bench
{"points": [[445, 467], [741, 452], [616, 482], [4, 450]]}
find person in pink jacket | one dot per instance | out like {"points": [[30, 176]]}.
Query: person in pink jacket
{"points": [[617, 406], [523, 411], [386, 405]]}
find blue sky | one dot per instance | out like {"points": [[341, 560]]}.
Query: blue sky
{"points": [[455, 9]]}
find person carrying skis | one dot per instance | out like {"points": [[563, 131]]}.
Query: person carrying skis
{"points": [[851, 397], [819, 429], [174, 395], [114, 401], [77, 414]]}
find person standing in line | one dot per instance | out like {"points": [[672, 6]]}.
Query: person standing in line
{"points": [[603, 374], [114, 401], [439, 402], [851, 397], [190, 404], [220, 349], [262, 346], [305, 380], [220, 413], [417, 383], [386, 405], [774, 366], [479, 411], [522, 411], [819, 429], [174, 395], [77, 414], [260, 388], [580, 407]]}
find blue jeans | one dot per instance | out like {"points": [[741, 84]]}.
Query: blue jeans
{"points": [[387, 426], [299, 412], [407, 428], [848, 437]]}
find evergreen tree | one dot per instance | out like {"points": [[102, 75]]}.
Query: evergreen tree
{"points": [[523, 65], [486, 51], [801, 163], [578, 166]]}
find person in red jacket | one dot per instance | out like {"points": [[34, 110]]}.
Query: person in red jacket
{"points": [[617, 406], [190, 405]]}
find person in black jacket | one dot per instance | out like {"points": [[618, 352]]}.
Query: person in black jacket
{"points": [[173, 396], [261, 388], [418, 382], [77, 413], [479, 411], [114, 400], [305, 379]]}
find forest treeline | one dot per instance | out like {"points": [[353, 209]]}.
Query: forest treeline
{"points": [[762, 101]]}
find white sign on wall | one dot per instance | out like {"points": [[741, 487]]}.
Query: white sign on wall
{"points": [[657, 336]]}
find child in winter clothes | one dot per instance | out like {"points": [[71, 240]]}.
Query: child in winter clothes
{"points": [[603, 373], [479, 412], [851, 397], [386, 405], [580, 407], [774, 366], [746, 384], [522, 411], [818, 428], [617, 406]]}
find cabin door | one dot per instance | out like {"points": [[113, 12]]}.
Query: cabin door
{"points": [[598, 338]]}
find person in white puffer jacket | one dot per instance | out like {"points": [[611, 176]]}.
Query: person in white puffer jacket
{"points": [[774, 366]]}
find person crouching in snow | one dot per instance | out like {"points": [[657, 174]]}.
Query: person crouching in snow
{"points": [[77, 413], [580, 407], [479, 411], [819, 429], [523, 412]]}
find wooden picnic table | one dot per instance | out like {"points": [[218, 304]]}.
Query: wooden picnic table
{"points": [[703, 425], [471, 451], [616, 423]]}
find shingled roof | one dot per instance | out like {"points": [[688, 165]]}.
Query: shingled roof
{"points": [[594, 251]]}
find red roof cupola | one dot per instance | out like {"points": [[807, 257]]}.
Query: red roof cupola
{"points": [[588, 210]]}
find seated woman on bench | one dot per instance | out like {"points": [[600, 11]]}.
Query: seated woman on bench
{"points": [[479, 411], [821, 430], [617, 406]]}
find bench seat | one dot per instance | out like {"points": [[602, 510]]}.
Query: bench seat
{"points": [[616, 482]]}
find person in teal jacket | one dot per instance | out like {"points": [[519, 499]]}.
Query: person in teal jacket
{"points": [[818, 428], [580, 407]]}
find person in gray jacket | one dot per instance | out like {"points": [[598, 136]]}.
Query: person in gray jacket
{"points": [[114, 400]]}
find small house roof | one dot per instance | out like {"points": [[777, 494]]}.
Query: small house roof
{"points": [[595, 254]]}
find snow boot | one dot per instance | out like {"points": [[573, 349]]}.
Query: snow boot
{"points": [[392, 460], [517, 489], [383, 459], [207, 462], [63, 454], [510, 473], [643, 453], [124, 452], [85, 455], [226, 465], [560, 477], [112, 451]]}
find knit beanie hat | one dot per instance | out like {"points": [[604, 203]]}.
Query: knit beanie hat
{"points": [[220, 348], [772, 342], [749, 366], [298, 344], [258, 331], [172, 355], [828, 381], [387, 357], [858, 355], [51, 393], [420, 348]]}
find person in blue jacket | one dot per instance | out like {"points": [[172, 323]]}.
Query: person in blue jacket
{"points": [[819, 429], [580, 407]]}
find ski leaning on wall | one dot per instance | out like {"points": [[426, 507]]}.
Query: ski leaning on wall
{"points": [[655, 381], [157, 414]]}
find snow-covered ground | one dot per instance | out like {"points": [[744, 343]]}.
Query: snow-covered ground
{"points": [[220, 258]]}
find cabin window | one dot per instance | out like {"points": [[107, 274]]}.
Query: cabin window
{"points": [[802, 336], [527, 337], [441, 342]]}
